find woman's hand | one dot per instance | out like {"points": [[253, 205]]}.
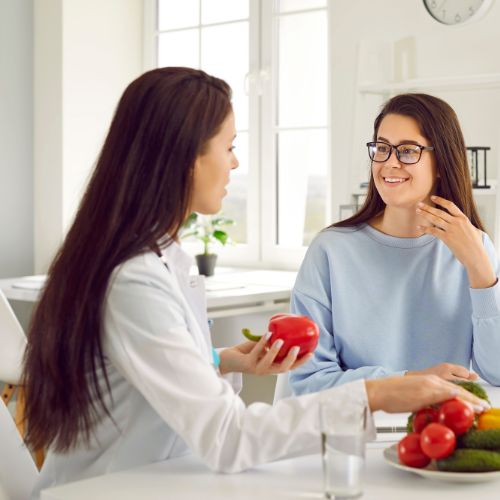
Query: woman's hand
{"points": [[465, 241], [257, 359], [402, 394], [447, 371]]}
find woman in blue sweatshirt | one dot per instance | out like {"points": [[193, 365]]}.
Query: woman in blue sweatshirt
{"points": [[409, 284]]}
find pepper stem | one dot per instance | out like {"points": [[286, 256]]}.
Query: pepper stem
{"points": [[250, 336]]}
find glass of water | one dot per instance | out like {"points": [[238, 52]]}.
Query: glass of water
{"points": [[343, 442]]}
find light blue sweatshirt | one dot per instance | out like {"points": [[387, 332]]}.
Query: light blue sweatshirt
{"points": [[385, 305]]}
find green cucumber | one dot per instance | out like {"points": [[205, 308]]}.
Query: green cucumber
{"points": [[469, 460], [487, 439]]}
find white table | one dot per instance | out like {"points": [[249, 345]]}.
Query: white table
{"points": [[230, 292], [300, 478]]}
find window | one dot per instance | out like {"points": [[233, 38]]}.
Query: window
{"points": [[274, 56]]}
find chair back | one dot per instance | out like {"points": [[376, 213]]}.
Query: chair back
{"points": [[283, 389], [12, 344], [18, 472]]}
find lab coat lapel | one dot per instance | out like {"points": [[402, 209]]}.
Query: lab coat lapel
{"points": [[193, 291]]}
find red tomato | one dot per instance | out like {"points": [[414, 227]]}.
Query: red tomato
{"points": [[437, 441], [457, 415], [424, 417], [410, 453]]}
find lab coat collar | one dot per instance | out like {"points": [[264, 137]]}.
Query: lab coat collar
{"points": [[178, 257]]}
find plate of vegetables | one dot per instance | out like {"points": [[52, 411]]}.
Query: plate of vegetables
{"points": [[449, 442]]}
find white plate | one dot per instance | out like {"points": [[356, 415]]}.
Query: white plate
{"points": [[431, 472]]}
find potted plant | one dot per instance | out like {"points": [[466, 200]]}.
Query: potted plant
{"points": [[209, 230]]}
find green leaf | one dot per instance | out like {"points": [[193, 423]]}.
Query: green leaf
{"points": [[207, 229], [221, 236], [190, 234], [222, 221]]}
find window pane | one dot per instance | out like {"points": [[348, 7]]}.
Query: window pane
{"points": [[173, 14], [302, 186], [216, 11], [291, 5], [179, 48], [225, 55], [302, 73], [235, 202]]}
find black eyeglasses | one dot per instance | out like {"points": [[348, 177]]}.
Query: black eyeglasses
{"points": [[405, 153]]}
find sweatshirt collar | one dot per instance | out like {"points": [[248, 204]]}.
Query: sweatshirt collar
{"points": [[394, 241]]}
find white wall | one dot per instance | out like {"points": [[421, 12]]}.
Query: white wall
{"points": [[16, 138], [48, 130], [86, 52], [439, 51]]}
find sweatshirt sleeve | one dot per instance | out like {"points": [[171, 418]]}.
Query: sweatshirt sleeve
{"points": [[486, 324], [148, 341], [311, 297]]}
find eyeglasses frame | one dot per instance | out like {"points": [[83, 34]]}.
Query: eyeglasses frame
{"points": [[395, 148]]}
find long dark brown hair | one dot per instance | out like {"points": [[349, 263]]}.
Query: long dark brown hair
{"points": [[439, 124], [137, 199]]}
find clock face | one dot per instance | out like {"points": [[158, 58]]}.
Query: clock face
{"points": [[457, 12]]}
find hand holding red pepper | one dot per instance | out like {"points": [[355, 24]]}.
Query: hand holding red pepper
{"points": [[287, 345], [294, 330]]}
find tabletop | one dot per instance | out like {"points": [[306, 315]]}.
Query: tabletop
{"points": [[187, 478]]}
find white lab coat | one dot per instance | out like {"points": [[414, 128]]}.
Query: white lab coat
{"points": [[167, 397]]}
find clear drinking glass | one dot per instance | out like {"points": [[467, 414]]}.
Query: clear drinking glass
{"points": [[343, 443]]}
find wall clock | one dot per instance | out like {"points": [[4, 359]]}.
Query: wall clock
{"points": [[457, 12]]}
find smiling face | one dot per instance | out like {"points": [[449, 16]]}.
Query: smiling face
{"points": [[212, 168], [401, 185]]}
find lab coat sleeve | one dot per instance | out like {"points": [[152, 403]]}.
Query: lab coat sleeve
{"points": [[146, 338], [486, 324], [235, 379]]}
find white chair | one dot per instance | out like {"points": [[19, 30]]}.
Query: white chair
{"points": [[12, 347], [18, 471], [282, 389], [12, 344]]}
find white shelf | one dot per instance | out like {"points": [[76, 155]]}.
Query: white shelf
{"points": [[492, 191], [468, 82]]}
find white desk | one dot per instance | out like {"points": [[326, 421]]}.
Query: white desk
{"points": [[300, 478], [230, 292]]}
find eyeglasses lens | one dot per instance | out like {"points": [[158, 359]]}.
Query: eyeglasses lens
{"points": [[408, 153]]}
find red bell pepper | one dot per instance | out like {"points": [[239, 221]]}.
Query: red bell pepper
{"points": [[294, 330]]}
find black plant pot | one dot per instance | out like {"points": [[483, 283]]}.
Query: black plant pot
{"points": [[206, 263]]}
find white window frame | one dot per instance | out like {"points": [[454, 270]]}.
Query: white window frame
{"points": [[261, 249], [278, 255]]}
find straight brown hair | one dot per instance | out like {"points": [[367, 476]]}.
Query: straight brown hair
{"points": [[439, 124], [136, 200]]}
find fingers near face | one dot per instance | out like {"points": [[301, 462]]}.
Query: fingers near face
{"points": [[449, 205]]}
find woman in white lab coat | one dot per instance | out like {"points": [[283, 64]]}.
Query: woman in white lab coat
{"points": [[119, 367]]}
